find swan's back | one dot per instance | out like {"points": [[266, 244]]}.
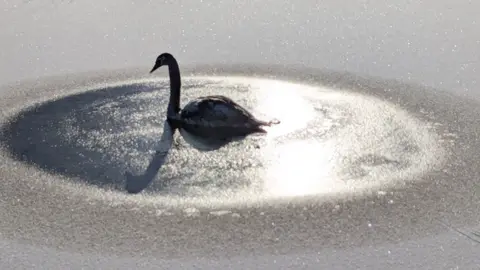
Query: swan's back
{"points": [[216, 117], [216, 111]]}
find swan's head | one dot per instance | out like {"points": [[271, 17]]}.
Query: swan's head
{"points": [[162, 60]]}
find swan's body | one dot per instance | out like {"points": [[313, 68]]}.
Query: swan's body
{"points": [[215, 117]]}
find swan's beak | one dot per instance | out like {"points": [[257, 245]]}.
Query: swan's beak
{"points": [[154, 68]]}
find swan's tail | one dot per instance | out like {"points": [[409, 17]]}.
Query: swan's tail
{"points": [[268, 123]]}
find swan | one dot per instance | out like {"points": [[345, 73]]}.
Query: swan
{"points": [[214, 117]]}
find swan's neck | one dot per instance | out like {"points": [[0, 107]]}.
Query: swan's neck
{"points": [[175, 85]]}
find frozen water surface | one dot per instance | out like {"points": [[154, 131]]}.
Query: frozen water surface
{"points": [[363, 171]]}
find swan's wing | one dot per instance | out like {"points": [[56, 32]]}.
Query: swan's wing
{"points": [[216, 110]]}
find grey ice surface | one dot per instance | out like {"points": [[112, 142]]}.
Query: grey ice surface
{"points": [[438, 253], [429, 42], [433, 43]]}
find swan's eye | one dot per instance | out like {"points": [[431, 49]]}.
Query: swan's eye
{"points": [[161, 59]]}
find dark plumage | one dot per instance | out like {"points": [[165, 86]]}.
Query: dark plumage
{"points": [[215, 117]]}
